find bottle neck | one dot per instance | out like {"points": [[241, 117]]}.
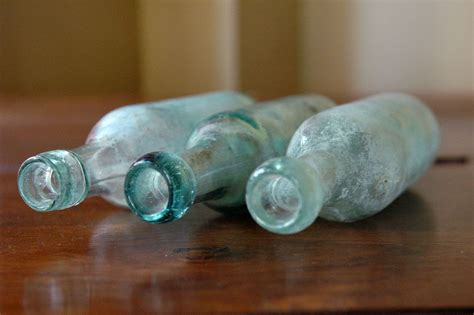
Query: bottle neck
{"points": [[285, 195], [88, 156], [324, 169], [162, 186], [221, 166]]}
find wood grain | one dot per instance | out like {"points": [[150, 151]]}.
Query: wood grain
{"points": [[417, 255]]}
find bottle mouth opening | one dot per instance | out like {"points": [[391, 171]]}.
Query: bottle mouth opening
{"points": [[39, 184], [276, 201], [284, 195], [53, 180], [151, 194], [160, 187]]}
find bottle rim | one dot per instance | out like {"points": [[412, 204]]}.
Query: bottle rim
{"points": [[160, 187], [52, 180], [284, 195]]}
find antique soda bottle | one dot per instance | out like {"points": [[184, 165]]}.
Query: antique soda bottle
{"points": [[221, 154], [345, 164], [60, 179]]}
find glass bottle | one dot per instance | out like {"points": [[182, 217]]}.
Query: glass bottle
{"points": [[345, 164], [61, 179], [221, 154]]}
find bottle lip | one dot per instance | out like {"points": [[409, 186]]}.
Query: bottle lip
{"points": [[289, 210], [52, 180], [144, 187]]}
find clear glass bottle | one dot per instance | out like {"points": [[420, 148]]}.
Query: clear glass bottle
{"points": [[221, 154], [345, 164], [60, 179]]}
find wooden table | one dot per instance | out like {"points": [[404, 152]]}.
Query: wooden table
{"points": [[417, 255]]}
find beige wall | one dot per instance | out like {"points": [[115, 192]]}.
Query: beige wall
{"points": [[68, 46], [165, 48], [268, 47], [191, 46], [325, 46], [343, 48], [187, 46], [365, 46]]}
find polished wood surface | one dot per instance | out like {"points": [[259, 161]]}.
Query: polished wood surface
{"points": [[416, 255]]}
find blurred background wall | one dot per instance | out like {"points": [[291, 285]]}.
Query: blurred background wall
{"points": [[68, 46], [365, 46], [186, 46], [166, 48]]}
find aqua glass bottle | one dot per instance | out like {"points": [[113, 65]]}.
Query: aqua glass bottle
{"points": [[345, 164], [60, 179], [221, 154]]}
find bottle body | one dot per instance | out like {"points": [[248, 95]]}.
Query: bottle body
{"points": [[118, 139], [220, 155], [359, 157]]}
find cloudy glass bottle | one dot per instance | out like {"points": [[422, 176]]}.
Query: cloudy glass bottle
{"points": [[219, 157], [345, 164], [61, 179]]}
